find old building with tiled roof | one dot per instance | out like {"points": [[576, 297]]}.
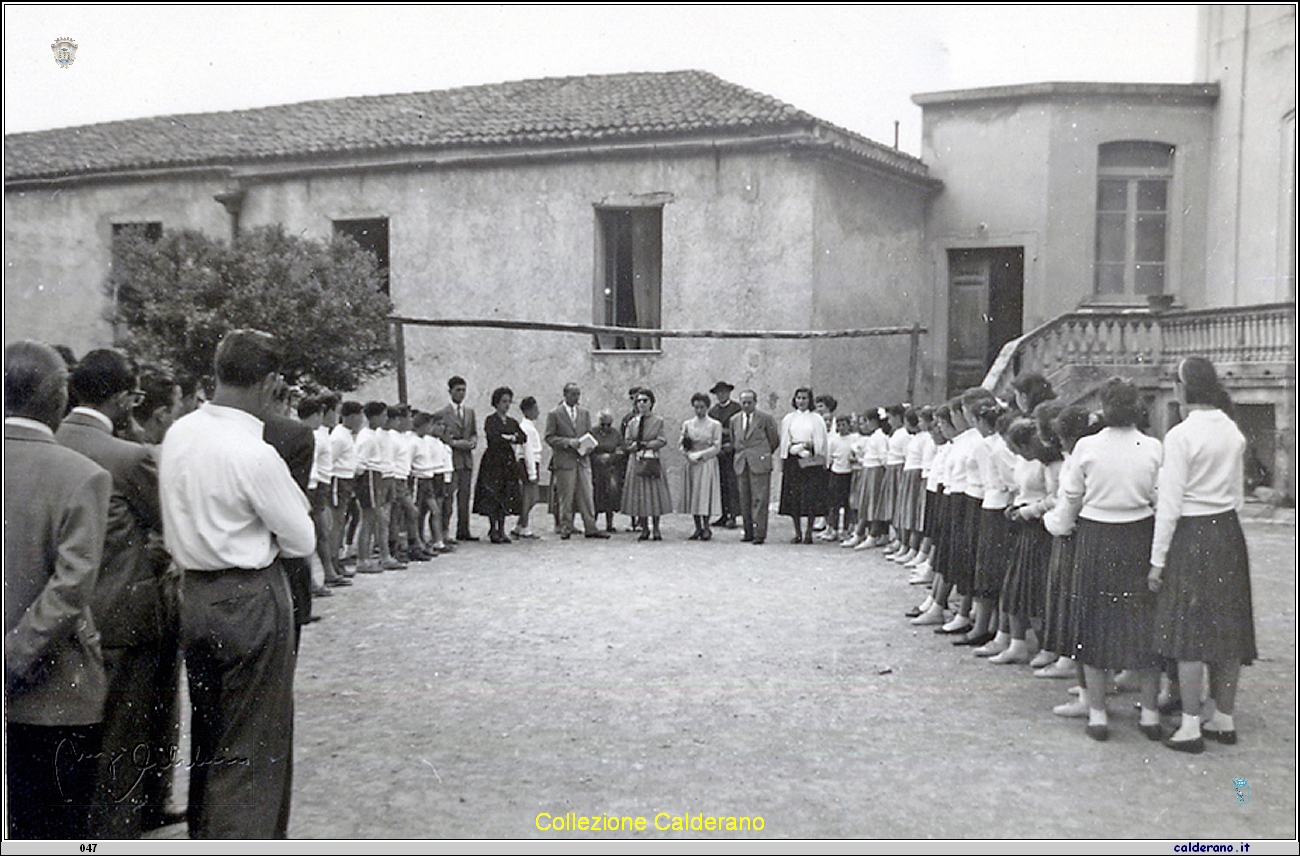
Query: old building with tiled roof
{"points": [[671, 201]]}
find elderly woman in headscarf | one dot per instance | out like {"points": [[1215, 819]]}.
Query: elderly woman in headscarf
{"points": [[607, 462]]}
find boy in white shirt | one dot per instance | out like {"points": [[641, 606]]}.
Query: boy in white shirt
{"points": [[530, 454], [444, 480], [343, 458]]}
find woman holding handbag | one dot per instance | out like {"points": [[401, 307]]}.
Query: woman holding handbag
{"points": [[803, 471], [645, 491]]}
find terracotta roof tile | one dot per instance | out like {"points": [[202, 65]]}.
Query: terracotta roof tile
{"points": [[603, 108]]}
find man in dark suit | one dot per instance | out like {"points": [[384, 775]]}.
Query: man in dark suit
{"points": [[566, 425], [128, 603], [296, 445], [462, 437], [56, 515], [723, 411], [756, 436]]}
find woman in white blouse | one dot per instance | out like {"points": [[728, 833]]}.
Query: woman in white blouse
{"points": [[803, 469], [1199, 565], [1110, 489]]}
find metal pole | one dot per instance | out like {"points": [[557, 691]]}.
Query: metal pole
{"points": [[912, 361]]}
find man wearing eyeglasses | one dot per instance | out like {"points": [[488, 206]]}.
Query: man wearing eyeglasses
{"points": [[127, 604]]}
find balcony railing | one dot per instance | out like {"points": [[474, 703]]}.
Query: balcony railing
{"points": [[1144, 341]]}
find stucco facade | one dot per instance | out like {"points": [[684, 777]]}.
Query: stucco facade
{"points": [[1019, 167], [1249, 51]]}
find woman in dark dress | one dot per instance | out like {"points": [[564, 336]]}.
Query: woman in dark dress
{"points": [[607, 468], [1199, 566], [498, 493]]}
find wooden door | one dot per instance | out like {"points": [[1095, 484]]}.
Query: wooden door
{"points": [[968, 318]]}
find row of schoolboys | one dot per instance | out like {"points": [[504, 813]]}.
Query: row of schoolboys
{"points": [[381, 485]]}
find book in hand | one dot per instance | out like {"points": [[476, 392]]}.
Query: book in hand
{"points": [[586, 443]]}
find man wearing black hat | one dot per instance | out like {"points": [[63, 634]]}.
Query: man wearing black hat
{"points": [[723, 411]]}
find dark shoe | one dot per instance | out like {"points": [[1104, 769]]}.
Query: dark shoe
{"points": [[913, 612], [976, 641], [1227, 738], [696, 535], [644, 536], [1100, 733], [807, 537], [798, 539], [313, 619], [706, 535], [1152, 732], [1173, 707], [338, 582], [611, 529], [564, 536], [943, 632], [656, 537], [321, 592], [747, 539], [601, 535], [729, 524], [1192, 747], [721, 521], [466, 537], [757, 542]]}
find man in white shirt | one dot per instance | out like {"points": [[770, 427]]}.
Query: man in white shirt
{"points": [[231, 510]]}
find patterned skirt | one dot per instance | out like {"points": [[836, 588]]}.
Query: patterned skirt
{"points": [[1061, 600], [882, 505], [965, 543], [645, 497], [909, 500], [870, 492], [992, 553], [855, 489], [1024, 590], [1203, 609], [1116, 608], [940, 540], [929, 526]]}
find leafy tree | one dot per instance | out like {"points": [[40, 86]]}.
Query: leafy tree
{"points": [[174, 298]]}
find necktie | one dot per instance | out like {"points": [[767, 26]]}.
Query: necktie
{"points": [[460, 412], [745, 424]]}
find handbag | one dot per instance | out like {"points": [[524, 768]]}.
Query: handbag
{"points": [[647, 460], [812, 461], [648, 467]]}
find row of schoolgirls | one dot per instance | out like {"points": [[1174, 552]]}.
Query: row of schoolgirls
{"points": [[1070, 541]]}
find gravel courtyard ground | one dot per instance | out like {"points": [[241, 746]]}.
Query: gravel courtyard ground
{"points": [[465, 696]]}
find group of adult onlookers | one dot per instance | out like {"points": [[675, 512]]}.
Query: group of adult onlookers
{"points": [[121, 554]]}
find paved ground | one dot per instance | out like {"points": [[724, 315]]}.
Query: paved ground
{"points": [[463, 697]]}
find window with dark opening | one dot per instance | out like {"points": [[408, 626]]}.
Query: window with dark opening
{"points": [[372, 235], [148, 231], [629, 264], [1132, 204]]}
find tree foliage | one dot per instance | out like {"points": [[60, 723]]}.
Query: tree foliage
{"points": [[173, 299]]}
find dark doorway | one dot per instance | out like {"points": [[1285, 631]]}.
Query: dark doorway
{"points": [[986, 293]]}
